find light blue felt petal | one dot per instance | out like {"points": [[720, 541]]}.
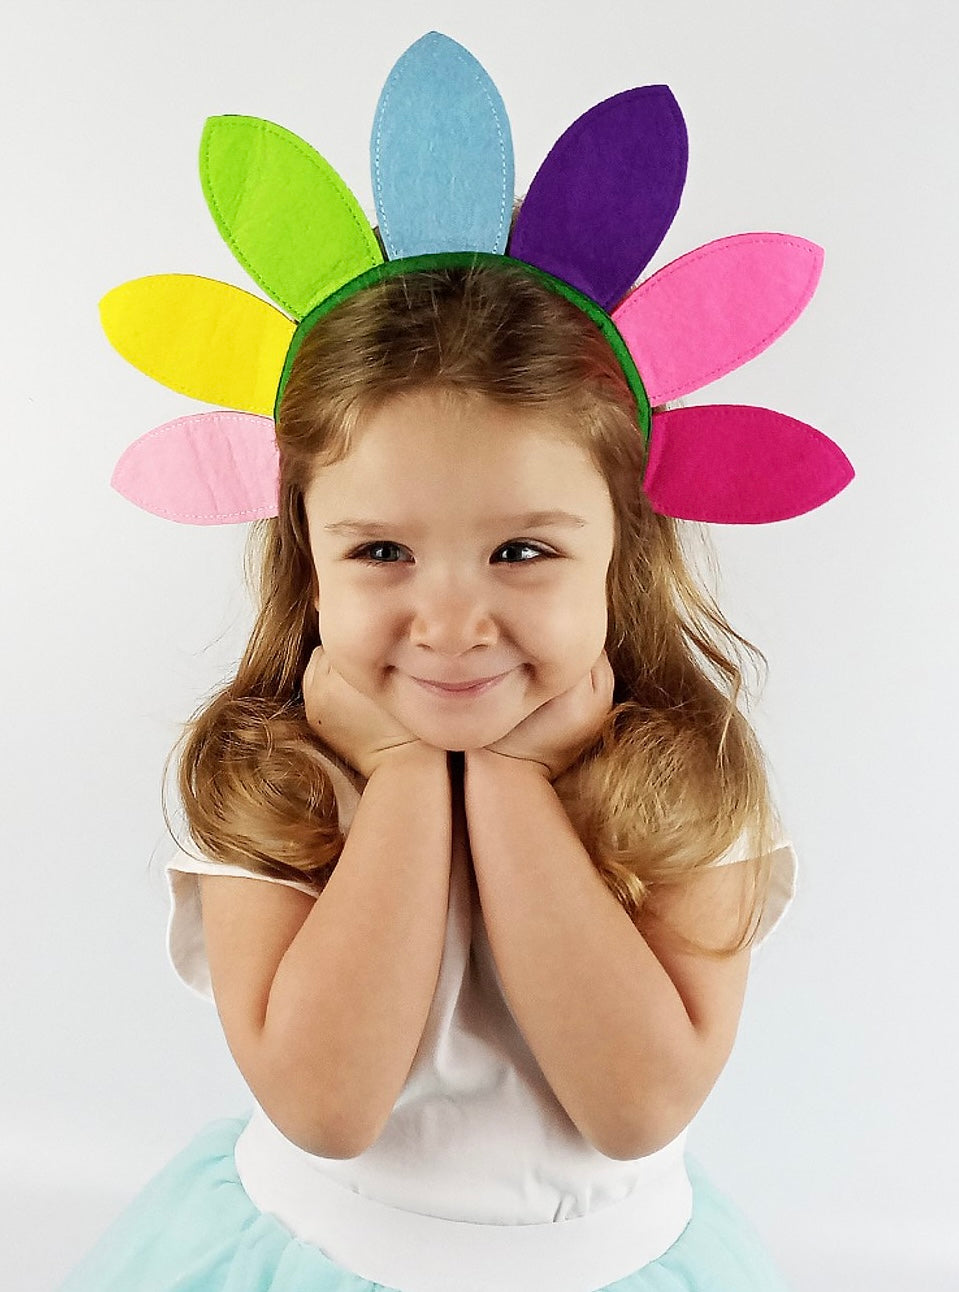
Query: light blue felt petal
{"points": [[441, 154]]}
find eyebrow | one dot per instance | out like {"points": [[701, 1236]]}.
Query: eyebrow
{"points": [[530, 520]]}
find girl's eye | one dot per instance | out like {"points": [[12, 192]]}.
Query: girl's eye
{"points": [[529, 547], [360, 553], [372, 547]]}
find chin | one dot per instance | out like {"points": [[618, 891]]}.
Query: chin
{"points": [[457, 735]]}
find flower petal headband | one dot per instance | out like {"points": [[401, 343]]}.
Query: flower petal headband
{"points": [[442, 168]]}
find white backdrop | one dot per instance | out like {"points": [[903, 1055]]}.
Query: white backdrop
{"points": [[834, 1123]]}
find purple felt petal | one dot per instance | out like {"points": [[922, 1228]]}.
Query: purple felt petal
{"points": [[732, 464], [601, 202], [217, 468], [715, 308]]}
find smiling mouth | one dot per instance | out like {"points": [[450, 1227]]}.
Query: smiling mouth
{"points": [[460, 689]]}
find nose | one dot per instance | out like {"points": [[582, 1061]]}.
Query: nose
{"points": [[451, 617]]}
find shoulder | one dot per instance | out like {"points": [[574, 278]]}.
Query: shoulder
{"points": [[782, 872], [712, 908], [203, 891], [709, 905], [248, 927], [206, 893], [704, 910]]}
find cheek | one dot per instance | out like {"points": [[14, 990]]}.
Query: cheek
{"points": [[349, 625], [574, 623]]}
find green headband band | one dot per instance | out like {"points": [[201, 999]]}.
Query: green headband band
{"points": [[467, 260]]}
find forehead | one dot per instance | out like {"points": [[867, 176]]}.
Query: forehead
{"points": [[430, 452]]}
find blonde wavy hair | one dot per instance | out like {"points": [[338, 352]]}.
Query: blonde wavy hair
{"points": [[676, 774]]}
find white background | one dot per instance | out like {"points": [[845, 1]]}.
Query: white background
{"points": [[834, 1124]]}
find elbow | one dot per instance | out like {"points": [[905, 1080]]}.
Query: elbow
{"points": [[626, 1138], [622, 1148], [337, 1148], [335, 1138], [630, 1149], [304, 1113], [655, 1117]]}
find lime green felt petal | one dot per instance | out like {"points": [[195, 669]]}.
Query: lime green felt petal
{"points": [[200, 337], [284, 212]]}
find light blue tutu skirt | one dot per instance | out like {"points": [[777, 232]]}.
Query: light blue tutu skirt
{"points": [[194, 1229]]}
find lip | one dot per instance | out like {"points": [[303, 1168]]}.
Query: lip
{"points": [[460, 688]]}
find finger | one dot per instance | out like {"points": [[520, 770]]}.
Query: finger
{"points": [[599, 672], [604, 681]]}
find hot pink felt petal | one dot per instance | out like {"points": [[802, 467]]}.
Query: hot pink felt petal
{"points": [[736, 465], [715, 308], [216, 468]]}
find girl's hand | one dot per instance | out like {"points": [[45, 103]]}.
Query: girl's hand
{"points": [[555, 734], [352, 724]]}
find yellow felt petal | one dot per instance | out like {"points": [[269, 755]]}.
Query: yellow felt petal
{"points": [[200, 337]]}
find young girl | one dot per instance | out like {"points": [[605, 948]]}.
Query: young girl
{"points": [[486, 842]]}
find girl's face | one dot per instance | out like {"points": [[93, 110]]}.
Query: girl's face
{"points": [[430, 566]]}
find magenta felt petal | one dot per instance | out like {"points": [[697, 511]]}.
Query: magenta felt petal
{"points": [[601, 202], [738, 465], [217, 468], [715, 308]]}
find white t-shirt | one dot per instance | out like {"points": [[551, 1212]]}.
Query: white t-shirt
{"points": [[479, 1173]]}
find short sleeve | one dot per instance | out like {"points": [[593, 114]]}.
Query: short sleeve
{"points": [[185, 944], [782, 883]]}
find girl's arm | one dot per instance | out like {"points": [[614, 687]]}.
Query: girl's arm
{"points": [[324, 1001], [629, 1057]]}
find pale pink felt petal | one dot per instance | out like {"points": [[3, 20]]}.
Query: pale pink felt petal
{"points": [[715, 308], [217, 468], [733, 464]]}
